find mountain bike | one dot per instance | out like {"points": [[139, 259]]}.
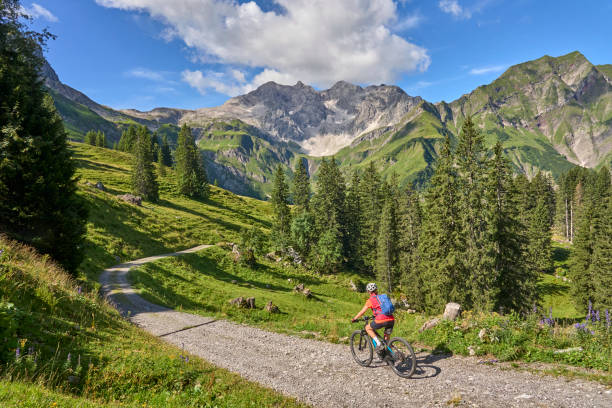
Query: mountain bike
{"points": [[398, 353]]}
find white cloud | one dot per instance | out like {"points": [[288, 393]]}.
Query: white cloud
{"points": [[218, 81], [38, 11], [408, 22], [316, 41], [453, 7], [487, 70], [145, 73]]}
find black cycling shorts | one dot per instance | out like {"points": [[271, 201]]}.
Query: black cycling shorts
{"points": [[388, 325]]}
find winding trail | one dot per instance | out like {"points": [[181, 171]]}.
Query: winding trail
{"points": [[325, 375]]}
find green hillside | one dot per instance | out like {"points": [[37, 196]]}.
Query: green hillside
{"points": [[68, 348], [241, 158], [117, 229]]}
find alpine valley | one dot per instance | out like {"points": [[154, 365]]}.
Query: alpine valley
{"points": [[550, 114]]}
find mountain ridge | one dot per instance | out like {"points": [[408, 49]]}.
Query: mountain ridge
{"points": [[550, 114]]}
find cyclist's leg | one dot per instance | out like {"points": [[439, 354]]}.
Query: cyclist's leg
{"points": [[388, 329], [371, 332]]}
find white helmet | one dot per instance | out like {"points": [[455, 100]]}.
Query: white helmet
{"points": [[371, 287]]}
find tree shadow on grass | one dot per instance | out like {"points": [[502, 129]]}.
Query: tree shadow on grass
{"points": [[552, 288]]}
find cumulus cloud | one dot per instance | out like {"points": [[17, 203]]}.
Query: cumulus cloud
{"points": [[316, 41], [487, 70], [453, 7], [38, 11]]}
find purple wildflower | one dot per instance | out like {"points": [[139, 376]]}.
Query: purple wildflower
{"points": [[1, 252], [79, 290], [596, 316], [607, 318], [582, 327], [17, 353], [69, 357]]}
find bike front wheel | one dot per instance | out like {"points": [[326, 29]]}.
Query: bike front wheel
{"points": [[401, 357], [361, 348]]}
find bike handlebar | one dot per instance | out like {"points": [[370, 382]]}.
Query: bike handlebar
{"points": [[364, 318]]}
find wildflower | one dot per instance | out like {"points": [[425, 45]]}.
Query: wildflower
{"points": [[607, 318], [79, 290], [17, 353], [596, 316], [1, 252], [68, 359]]}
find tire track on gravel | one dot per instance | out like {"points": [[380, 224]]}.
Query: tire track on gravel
{"points": [[325, 375]]}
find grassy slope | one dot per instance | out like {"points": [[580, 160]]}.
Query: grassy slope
{"points": [[62, 333], [117, 229]]}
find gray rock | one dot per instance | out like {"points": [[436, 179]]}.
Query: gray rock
{"points": [[355, 287], [299, 287], [452, 311], [132, 199], [272, 308], [307, 293], [250, 303], [483, 335], [429, 324], [100, 186]]}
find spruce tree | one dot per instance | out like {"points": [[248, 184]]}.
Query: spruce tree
{"points": [[90, 138], [387, 253], [301, 187], [38, 201], [144, 182], [441, 247], [161, 167], [353, 225], [191, 175], [303, 233], [281, 224], [471, 166], [328, 208], [165, 151], [128, 139], [515, 287], [409, 229], [370, 202], [601, 264]]}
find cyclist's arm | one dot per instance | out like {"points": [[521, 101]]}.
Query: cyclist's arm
{"points": [[361, 312]]}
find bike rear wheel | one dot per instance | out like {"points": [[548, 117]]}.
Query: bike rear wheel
{"points": [[401, 357], [361, 348]]}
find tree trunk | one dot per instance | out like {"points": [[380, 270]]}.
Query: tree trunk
{"points": [[566, 221]]}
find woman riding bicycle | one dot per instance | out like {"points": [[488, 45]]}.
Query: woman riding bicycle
{"points": [[380, 320]]}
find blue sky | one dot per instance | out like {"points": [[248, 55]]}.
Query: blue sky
{"points": [[197, 53]]}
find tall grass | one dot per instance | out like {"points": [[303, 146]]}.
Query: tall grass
{"points": [[68, 342]]}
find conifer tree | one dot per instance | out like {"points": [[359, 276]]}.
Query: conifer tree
{"points": [[281, 224], [144, 182], [471, 166], [441, 248], [100, 139], [601, 265], [165, 151], [370, 202], [516, 284], [191, 175], [90, 138], [328, 208], [161, 167], [409, 229], [38, 201], [303, 233], [387, 254], [301, 187], [128, 139], [353, 226]]}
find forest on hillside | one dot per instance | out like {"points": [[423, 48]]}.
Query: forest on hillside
{"points": [[477, 234]]}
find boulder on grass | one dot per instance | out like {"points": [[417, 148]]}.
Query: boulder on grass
{"points": [[272, 308], [299, 288], [100, 186], [452, 311], [429, 324], [306, 292], [250, 303], [239, 302], [356, 287], [132, 199]]}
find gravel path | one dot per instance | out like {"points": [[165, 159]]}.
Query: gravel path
{"points": [[325, 375]]}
